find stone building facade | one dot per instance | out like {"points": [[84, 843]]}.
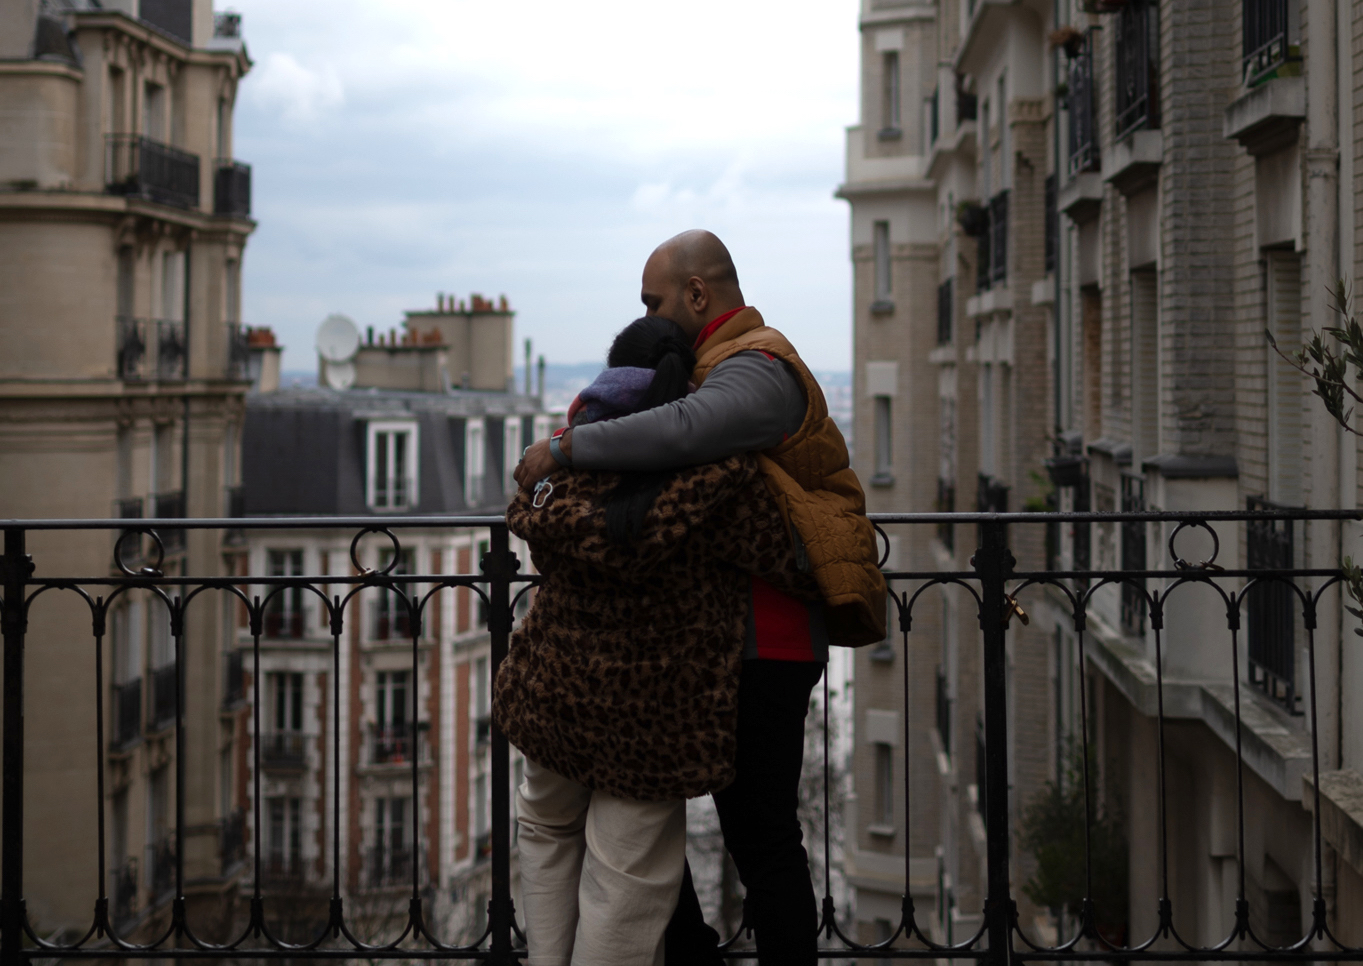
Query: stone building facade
{"points": [[123, 222], [1125, 196]]}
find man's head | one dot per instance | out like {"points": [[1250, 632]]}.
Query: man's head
{"points": [[690, 279]]}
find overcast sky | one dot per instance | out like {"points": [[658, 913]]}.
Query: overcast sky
{"points": [[541, 149]]}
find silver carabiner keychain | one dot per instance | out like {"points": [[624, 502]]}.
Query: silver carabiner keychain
{"points": [[545, 488]]}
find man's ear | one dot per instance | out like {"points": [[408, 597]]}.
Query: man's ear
{"points": [[697, 294]]}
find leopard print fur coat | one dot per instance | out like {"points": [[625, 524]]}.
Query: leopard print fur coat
{"points": [[623, 677]]}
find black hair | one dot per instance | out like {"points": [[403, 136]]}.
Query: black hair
{"points": [[651, 342]]}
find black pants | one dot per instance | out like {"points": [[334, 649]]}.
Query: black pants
{"points": [[757, 815]]}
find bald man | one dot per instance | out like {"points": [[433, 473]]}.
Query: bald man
{"points": [[750, 401]]}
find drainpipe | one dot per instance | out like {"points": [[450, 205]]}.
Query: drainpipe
{"points": [[1322, 246], [1059, 260]]}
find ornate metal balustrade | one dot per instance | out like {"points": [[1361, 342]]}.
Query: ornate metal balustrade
{"points": [[995, 591]]}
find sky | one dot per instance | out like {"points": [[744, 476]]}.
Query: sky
{"points": [[541, 149]]}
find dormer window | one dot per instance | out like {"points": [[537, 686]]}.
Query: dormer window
{"points": [[391, 470], [475, 455]]}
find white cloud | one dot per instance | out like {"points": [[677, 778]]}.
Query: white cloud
{"points": [[282, 85], [541, 149]]}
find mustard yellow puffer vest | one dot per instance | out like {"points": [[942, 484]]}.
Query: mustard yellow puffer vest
{"points": [[818, 494]]}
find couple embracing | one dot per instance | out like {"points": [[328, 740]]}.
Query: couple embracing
{"points": [[703, 541]]}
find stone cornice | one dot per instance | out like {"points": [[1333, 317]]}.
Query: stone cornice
{"points": [[96, 206], [41, 68]]}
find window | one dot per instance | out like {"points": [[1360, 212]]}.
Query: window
{"points": [[391, 731], [223, 148], [1144, 366], [482, 834], [890, 92], [172, 287], [118, 118], [286, 699], [1137, 67], [284, 613], [986, 153], [1284, 382], [882, 260], [392, 621], [391, 859], [154, 112], [1005, 139], [883, 806], [988, 456], [511, 453], [285, 843], [884, 455], [392, 466], [475, 459], [125, 281]]}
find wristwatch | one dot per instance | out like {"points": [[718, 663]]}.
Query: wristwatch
{"points": [[556, 451]]}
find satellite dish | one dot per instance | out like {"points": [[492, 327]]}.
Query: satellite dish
{"points": [[340, 375], [337, 339]]}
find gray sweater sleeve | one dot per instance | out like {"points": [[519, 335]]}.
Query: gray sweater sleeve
{"points": [[748, 403]]}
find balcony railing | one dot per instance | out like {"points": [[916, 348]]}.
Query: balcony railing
{"points": [[127, 712], [238, 352], [1267, 47], [1137, 55], [150, 349], [392, 745], [232, 188], [1133, 555], [142, 168], [163, 697], [1083, 103], [283, 749], [994, 584]]}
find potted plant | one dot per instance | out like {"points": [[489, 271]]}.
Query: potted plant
{"points": [[973, 218], [1070, 38]]}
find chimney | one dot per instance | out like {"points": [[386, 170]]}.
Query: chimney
{"points": [[440, 302], [541, 380], [369, 332], [527, 367], [501, 305]]}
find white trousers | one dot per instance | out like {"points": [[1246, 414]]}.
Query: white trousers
{"points": [[600, 875]]}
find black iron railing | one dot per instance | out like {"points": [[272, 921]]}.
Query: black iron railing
{"points": [[143, 168], [392, 745], [1083, 110], [1267, 45], [1137, 55], [238, 351], [283, 749], [1133, 555], [997, 587], [945, 311], [150, 349], [232, 188]]}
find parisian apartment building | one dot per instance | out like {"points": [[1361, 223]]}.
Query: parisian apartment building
{"points": [[427, 421], [124, 218], [1072, 224]]}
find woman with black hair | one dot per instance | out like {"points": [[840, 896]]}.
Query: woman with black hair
{"points": [[621, 684]]}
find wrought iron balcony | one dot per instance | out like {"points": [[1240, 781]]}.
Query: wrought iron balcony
{"points": [[1267, 49], [238, 351], [283, 749], [1272, 605], [139, 167], [1137, 67], [150, 349], [1083, 110], [993, 584], [232, 188], [998, 231], [391, 745]]}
